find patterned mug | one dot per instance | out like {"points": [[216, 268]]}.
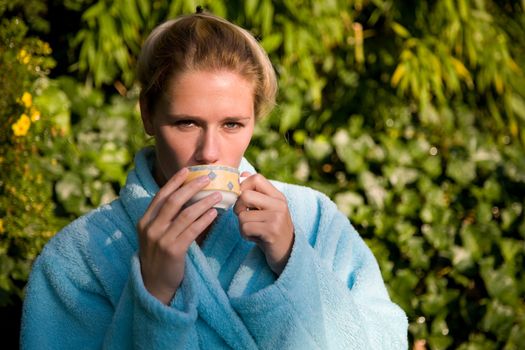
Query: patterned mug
{"points": [[223, 179]]}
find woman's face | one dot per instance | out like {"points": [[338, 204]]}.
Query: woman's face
{"points": [[204, 118]]}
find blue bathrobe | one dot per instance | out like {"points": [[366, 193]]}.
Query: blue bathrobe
{"points": [[86, 290]]}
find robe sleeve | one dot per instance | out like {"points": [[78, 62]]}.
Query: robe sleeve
{"points": [[329, 296], [66, 308]]}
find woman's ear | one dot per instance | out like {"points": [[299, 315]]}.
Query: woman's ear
{"points": [[146, 116]]}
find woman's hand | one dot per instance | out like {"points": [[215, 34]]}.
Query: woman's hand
{"points": [[167, 229], [264, 218]]}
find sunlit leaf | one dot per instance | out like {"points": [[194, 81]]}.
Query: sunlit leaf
{"points": [[400, 30]]}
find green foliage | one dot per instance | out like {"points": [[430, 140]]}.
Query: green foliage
{"points": [[31, 11], [89, 163], [410, 115], [64, 150], [110, 38], [26, 211]]}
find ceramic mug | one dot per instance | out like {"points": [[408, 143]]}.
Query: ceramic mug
{"points": [[223, 179]]}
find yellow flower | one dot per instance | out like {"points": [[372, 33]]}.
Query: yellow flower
{"points": [[19, 130], [21, 127], [24, 120], [24, 56], [2, 229], [26, 99], [35, 114]]}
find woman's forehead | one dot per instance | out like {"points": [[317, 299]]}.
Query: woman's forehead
{"points": [[209, 93]]}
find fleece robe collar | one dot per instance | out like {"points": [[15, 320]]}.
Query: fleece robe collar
{"points": [[203, 265]]}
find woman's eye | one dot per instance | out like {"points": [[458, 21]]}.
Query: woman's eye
{"points": [[184, 123], [232, 125]]}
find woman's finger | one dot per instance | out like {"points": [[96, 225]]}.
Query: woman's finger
{"points": [[170, 208], [252, 200], [257, 231], [197, 227], [177, 242], [172, 185], [257, 216], [191, 220], [263, 223], [259, 183], [191, 213], [176, 200]]}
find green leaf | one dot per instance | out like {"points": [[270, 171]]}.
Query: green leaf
{"points": [[267, 14], [518, 105], [432, 166], [462, 171], [94, 11], [462, 259], [69, 192], [348, 202], [440, 341], [144, 8], [500, 282], [410, 203], [290, 116], [402, 286], [416, 251], [55, 104], [375, 192], [319, 148], [400, 177], [272, 42], [400, 30], [249, 8], [499, 319]]}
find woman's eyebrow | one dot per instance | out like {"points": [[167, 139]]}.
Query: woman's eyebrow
{"points": [[198, 118], [236, 118], [183, 116]]}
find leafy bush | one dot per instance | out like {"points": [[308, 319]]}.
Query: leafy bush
{"points": [[90, 162], [64, 150], [26, 210]]}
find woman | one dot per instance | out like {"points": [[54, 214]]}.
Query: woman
{"points": [[283, 269]]}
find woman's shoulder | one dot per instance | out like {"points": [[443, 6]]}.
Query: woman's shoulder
{"points": [[304, 197], [93, 252], [105, 224], [103, 236], [312, 211]]}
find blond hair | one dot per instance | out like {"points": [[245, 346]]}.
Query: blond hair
{"points": [[204, 42]]}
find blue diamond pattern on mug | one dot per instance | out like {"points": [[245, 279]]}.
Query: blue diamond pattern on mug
{"points": [[230, 185], [212, 175]]}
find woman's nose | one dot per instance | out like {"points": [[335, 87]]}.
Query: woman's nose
{"points": [[208, 148]]}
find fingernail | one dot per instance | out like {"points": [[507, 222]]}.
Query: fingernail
{"points": [[217, 195]]}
